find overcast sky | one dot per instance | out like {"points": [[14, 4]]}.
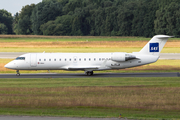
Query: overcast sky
{"points": [[14, 6]]}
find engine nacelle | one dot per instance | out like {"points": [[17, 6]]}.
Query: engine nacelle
{"points": [[121, 57]]}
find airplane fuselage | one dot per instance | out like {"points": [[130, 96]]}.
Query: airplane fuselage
{"points": [[77, 61]]}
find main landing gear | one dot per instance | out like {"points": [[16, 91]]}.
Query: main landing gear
{"points": [[89, 73], [18, 73]]}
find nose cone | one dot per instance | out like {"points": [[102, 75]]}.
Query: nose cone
{"points": [[10, 66], [7, 65]]}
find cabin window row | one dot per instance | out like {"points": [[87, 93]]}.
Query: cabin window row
{"points": [[80, 59]]}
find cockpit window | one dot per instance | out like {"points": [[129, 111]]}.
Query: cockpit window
{"points": [[20, 58]]}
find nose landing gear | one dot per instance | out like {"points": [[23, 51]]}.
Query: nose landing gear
{"points": [[18, 73]]}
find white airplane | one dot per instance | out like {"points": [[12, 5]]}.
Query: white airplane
{"points": [[90, 62]]}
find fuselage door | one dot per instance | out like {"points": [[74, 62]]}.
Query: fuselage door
{"points": [[33, 60]]}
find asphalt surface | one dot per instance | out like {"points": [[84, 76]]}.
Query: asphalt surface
{"points": [[96, 75], [53, 118], [12, 55], [170, 56]]}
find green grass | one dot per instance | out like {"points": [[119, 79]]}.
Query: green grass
{"points": [[149, 98], [74, 38], [65, 82], [93, 112]]}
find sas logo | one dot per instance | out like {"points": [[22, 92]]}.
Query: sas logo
{"points": [[154, 47]]}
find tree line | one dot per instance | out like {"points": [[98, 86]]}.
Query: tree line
{"points": [[95, 18]]}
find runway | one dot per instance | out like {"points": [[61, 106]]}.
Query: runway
{"points": [[96, 75], [12, 55]]}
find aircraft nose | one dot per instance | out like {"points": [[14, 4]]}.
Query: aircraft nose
{"points": [[10, 66], [7, 65]]}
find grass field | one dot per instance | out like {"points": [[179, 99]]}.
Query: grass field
{"points": [[74, 38], [129, 47], [79, 44], [69, 38], [137, 98]]}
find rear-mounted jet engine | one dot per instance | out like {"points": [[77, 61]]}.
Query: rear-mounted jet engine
{"points": [[121, 57]]}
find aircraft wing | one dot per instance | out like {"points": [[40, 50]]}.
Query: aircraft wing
{"points": [[83, 68], [87, 68]]}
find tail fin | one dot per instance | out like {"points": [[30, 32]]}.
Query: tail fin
{"points": [[155, 45]]}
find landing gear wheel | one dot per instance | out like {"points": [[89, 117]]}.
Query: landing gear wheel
{"points": [[89, 73], [18, 73], [92, 72]]}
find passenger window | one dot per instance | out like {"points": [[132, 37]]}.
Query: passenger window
{"points": [[79, 59], [94, 59], [65, 60], [49, 59], [89, 59], [84, 59], [69, 59], [44, 59], [99, 59], [54, 59], [39, 59], [60, 59]]}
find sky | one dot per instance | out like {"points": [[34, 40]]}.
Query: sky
{"points": [[14, 6]]}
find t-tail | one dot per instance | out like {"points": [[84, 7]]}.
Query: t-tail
{"points": [[155, 45]]}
